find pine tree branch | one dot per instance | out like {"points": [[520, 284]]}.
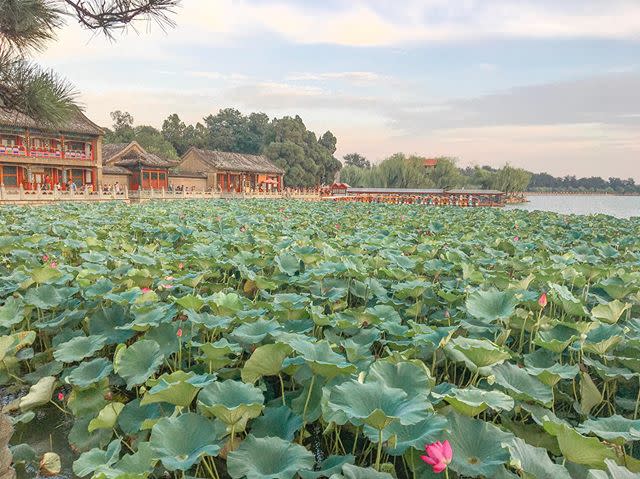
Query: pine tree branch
{"points": [[110, 15]]}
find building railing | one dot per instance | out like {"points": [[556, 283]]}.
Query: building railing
{"points": [[45, 153], [38, 195]]}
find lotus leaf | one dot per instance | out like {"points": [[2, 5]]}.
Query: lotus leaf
{"points": [[11, 312], [272, 457], [472, 401], [609, 312], [331, 465], [373, 404], [522, 385], [79, 348], [477, 354], [96, 459], [39, 394], [233, 402], [413, 379], [138, 362], [279, 422], [106, 417], [90, 372], [179, 442], [578, 448], [616, 428], [179, 388], [266, 360], [491, 305], [322, 359], [534, 462], [400, 438]]}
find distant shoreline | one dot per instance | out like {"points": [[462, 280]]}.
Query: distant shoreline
{"points": [[576, 193]]}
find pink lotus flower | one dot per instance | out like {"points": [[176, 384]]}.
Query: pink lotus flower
{"points": [[54, 265], [166, 286], [60, 396], [179, 332], [516, 238], [169, 278], [180, 265], [145, 290], [439, 455], [542, 300], [337, 226], [45, 258]]}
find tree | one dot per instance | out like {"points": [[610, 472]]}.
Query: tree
{"points": [[174, 131], [148, 137], [26, 26], [328, 141], [357, 160], [446, 174], [510, 180]]}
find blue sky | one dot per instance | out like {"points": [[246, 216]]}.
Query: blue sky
{"points": [[550, 86]]}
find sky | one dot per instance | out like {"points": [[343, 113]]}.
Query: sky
{"points": [[542, 84]]}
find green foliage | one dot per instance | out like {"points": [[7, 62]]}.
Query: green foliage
{"points": [[148, 137], [356, 160]]}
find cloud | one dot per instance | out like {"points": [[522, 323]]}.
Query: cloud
{"points": [[354, 77]]}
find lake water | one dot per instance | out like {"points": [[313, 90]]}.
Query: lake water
{"points": [[619, 206]]}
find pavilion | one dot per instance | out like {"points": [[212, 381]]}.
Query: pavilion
{"points": [[131, 165]]}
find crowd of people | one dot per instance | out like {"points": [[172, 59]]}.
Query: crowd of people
{"points": [[428, 200]]}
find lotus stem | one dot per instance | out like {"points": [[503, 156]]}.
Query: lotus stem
{"points": [[379, 451], [355, 442], [635, 412], [284, 403], [306, 405]]}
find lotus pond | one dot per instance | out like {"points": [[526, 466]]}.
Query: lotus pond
{"points": [[273, 339]]}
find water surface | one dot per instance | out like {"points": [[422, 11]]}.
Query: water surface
{"points": [[619, 206]]}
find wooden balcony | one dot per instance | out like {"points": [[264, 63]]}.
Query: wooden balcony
{"points": [[46, 153]]}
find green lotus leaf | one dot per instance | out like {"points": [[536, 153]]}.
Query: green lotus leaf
{"points": [[349, 471], [615, 428], [542, 364], [279, 422], [179, 442], [609, 372], [45, 274], [477, 354], [216, 355], [94, 257], [89, 373], [96, 459], [39, 394], [479, 447], [225, 303], [266, 360], [331, 465], [179, 388], [190, 302], [253, 333], [400, 438], [78, 348], [272, 457], [45, 297], [106, 322], [166, 335], [148, 315], [412, 378], [557, 338], [571, 305], [471, 401], [590, 395], [133, 416], [321, 358], [609, 312], [578, 448], [614, 471], [11, 344], [233, 402], [533, 462], [81, 440], [602, 338], [491, 305], [140, 463], [522, 385], [373, 404], [11, 312], [616, 287], [138, 362], [288, 264], [209, 321], [106, 417]]}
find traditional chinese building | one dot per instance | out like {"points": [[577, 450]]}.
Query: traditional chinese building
{"points": [[37, 157], [225, 171], [131, 165]]}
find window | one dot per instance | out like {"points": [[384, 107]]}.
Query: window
{"points": [[9, 175], [77, 176], [8, 141]]}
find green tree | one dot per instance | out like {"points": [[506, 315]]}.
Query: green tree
{"points": [[148, 137], [299, 170], [329, 142], [26, 26], [174, 131], [357, 160], [510, 179]]}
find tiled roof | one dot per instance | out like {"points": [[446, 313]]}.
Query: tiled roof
{"points": [[395, 191], [227, 161], [115, 170], [77, 123], [129, 155], [187, 174]]}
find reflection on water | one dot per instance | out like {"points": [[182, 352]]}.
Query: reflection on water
{"points": [[619, 206], [47, 432]]}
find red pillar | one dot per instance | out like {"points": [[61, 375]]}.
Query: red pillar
{"points": [[93, 179], [228, 181], [279, 182]]}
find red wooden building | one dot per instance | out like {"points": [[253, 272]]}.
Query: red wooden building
{"points": [[131, 165], [37, 157]]}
